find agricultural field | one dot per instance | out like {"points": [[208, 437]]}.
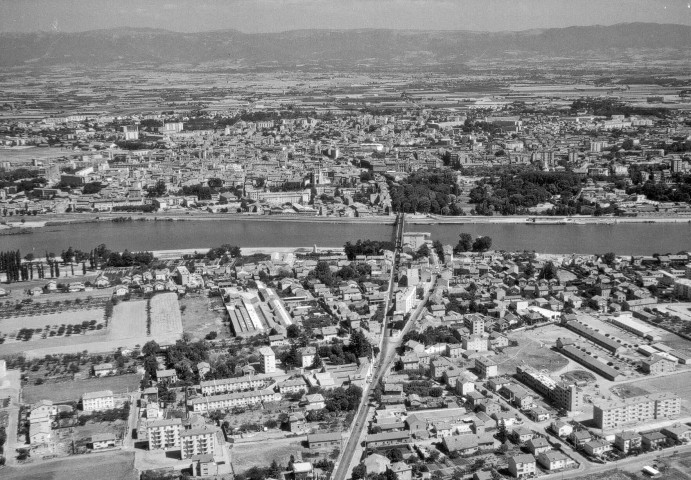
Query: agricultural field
{"points": [[166, 321], [119, 465], [200, 316], [129, 320], [66, 323], [73, 390], [253, 454]]}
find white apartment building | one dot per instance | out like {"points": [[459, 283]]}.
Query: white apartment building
{"points": [[197, 441], [268, 359], [405, 300], [164, 434], [98, 401]]}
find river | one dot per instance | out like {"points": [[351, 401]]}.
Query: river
{"points": [[635, 239], [625, 238]]}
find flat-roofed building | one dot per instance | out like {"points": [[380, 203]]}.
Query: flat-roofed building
{"points": [[197, 441], [230, 400], [486, 367], [612, 414], [164, 434], [228, 385], [268, 359]]}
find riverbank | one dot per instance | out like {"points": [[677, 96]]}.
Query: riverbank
{"points": [[545, 220], [79, 218], [246, 251]]}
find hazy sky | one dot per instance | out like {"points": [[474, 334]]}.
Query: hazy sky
{"points": [[277, 15]]}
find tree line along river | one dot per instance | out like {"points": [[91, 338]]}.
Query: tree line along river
{"points": [[632, 238]]}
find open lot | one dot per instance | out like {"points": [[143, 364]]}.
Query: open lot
{"points": [[112, 465], [247, 455], [199, 318], [166, 322], [681, 310], [534, 349], [129, 320], [68, 391]]}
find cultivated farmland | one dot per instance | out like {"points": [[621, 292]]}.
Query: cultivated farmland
{"points": [[129, 320], [166, 321]]}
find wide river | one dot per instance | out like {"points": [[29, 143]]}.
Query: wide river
{"points": [[638, 239]]}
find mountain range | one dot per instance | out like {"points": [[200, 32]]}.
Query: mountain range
{"points": [[336, 47]]}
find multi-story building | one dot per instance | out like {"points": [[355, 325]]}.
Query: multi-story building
{"points": [[485, 367], [268, 359], [476, 343], [476, 323], [228, 385], [307, 355], [627, 440], [230, 400], [522, 465], [164, 434], [405, 300], [682, 288], [613, 414], [656, 364], [197, 441], [98, 401], [561, 394]]}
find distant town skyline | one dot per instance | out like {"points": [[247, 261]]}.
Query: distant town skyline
{"points": [[255, 16]]}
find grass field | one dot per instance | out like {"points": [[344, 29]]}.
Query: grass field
{"points": [[247, 455], [198, 320], [531, 350], [166, 321], [129, 320], [110, 465], [68, 391]]}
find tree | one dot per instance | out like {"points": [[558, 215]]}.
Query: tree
{"points": [[359, 471], [609, 258], [150, 348], [394, 455], [502, 433], [465, 242], [359, 345], [529, 269], [157, 190], [215, 183], [482, 244], [293, 331], [549, 271]]}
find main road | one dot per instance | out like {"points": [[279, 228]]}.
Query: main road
{"points": [[387, 353]]}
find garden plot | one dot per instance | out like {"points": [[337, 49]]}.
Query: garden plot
{"points": [[166, 321]]}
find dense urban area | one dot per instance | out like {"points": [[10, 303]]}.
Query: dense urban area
{"points": [[400, 358]]}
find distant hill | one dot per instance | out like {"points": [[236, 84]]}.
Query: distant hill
{"points": [[336, 47]]}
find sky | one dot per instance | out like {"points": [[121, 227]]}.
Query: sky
{"points": [[253, 16]]}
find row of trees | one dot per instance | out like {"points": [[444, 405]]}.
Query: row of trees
{"points": [[11, 264]]}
